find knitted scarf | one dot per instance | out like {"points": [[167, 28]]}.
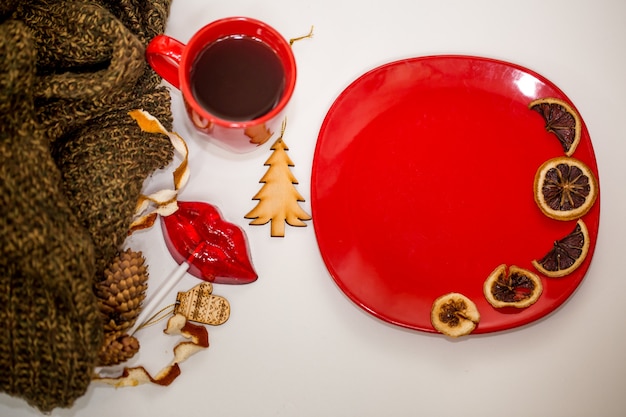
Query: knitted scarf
{"points": [[72, 165]]}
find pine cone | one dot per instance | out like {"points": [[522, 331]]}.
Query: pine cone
{"points": [[120, 295], [122, 291], [117, 349]]}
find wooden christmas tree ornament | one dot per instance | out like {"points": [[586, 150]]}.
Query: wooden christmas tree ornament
{"points": [[279, 201]]}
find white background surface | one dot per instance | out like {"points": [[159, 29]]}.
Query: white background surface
{"points": [[294, 344]]}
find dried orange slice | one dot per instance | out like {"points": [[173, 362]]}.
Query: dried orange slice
{"points": [[561, 119], [567, 253], [454, 315], [565, 188], [518, 288]]}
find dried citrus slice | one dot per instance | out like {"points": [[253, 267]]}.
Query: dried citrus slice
{"points": [[565, 188], [567, 253], [454, 315], [561, 119], [518, 287]]}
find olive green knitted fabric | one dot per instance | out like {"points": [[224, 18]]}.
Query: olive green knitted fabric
{"points": [[72, 165]]}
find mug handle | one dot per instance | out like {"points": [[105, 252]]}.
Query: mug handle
{"points": [[164, 55]]}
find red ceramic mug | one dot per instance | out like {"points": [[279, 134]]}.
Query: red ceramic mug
{"points": [[236, 76]]}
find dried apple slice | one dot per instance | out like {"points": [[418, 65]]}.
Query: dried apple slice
{"points": [[516, 287], [561, 119], [566, 254], [565, 188], [454, 315]]}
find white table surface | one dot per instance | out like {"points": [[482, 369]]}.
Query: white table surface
{"points": [[294, 344]]}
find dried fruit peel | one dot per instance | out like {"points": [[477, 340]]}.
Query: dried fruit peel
{"points": [[197, 339], [512, 287], [566, 183], [162, 202], [454, 315], [571, 248]]}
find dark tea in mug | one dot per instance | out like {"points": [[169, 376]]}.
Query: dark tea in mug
{"points": [[237, 78]]}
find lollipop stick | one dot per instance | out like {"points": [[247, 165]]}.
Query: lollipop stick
{"points": [[165, 288]]}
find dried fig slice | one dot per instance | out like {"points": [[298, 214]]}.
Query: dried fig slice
{"points": [[516, 287], [454, 315], [565, 188], [561, 119], [567, 253]]}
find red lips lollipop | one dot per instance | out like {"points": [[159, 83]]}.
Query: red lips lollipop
{"points": [[217, 251]]}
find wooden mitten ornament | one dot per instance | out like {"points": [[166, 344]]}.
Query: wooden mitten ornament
{"points": [[200, 305]]}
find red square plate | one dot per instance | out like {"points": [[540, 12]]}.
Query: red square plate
{"points": [[422, 184]]}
